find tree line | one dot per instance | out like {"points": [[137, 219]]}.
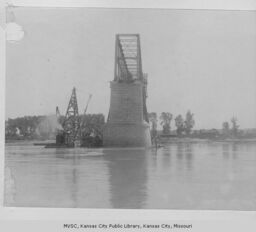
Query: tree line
{"points": [[47, 126], [230, 131], [183, 125]]}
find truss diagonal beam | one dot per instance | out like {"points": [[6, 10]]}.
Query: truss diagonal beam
{"points": [[128, 58]]}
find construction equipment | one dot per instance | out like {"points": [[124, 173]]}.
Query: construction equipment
{"points": [[83, 119], [71, 124], [70, 135]]}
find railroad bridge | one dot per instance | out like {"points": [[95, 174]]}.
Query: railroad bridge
{"points": [[127, 123]]}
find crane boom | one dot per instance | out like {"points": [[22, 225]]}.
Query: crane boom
{"points": [[90, 96]]}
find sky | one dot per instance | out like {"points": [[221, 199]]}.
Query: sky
{"points": [[198, 60]]}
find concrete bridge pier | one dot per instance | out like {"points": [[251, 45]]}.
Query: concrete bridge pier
{"points": [[125, 125]]}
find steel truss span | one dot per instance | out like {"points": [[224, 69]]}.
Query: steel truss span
{"points": [[128, 65]]}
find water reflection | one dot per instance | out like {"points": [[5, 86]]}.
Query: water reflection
{"points": [[225, 150], [230, 148], [127, 177], [85, 174], [189, 155], [181, 175], [166, 158], [74, 184], [185, 153], [180, 151], [67, 157], [234, 150]]}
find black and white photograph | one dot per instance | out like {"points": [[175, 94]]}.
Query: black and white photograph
{"points": [[110, 108]]}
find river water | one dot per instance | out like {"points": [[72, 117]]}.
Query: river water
{"points": [[180, 175]]}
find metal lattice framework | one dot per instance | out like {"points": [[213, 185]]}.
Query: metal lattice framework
{"points": [[71, 123], [128, 64]]}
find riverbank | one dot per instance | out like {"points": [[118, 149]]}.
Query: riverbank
{"points": [[194, 140]]}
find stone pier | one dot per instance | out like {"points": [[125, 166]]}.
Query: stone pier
{"points": [[125, 125]]}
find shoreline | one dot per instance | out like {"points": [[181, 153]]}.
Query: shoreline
{"points": [[161, 140], [184, 139]]}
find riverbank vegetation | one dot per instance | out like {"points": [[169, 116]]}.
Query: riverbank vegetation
{"points": [[184, 128], [46, 127]]}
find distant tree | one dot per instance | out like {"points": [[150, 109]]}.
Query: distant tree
{"points": [[92, 124], [22, 127], [153, 120], [189, 122], [235, 126], [179, 123], [225, 128], [92, 129], [166, 121]]}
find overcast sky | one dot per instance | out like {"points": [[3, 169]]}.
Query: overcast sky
{"points": [[198, 60]]}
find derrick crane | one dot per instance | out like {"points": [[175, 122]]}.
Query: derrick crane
{"points": [[71, 124], [83, 120]]}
